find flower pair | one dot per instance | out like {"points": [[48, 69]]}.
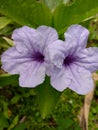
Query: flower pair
{"points": [[37, 52]]}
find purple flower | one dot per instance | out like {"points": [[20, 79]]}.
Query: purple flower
{"points": [[72, 62], [27, 57]]}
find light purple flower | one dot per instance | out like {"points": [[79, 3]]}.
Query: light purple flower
{"points": [[27, 57], [72, 62]]}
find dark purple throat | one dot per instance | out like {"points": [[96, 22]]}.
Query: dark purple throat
{"points": [[37, 56], [69, 60]]}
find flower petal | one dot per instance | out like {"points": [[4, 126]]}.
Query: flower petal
{"points": [[13, 61], [81, 80], [49, 34], [76, 37], [55, 53], [33, 76], [88, 58], [27, 40], [60, 78]]}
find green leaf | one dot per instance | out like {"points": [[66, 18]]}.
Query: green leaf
{"points": [[9, 41], [21, 126], [5, 108], [3, 122], [65, 123], [6, 79], [3, 44], [6, 31], [15, 99], [4, 21], [52, 4], [26, 12], [48, 98], [14, 122], [74, 13]]}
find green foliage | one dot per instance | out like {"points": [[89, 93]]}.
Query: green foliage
{"points": [[50, 96], [9, 41], [6, 31], [34, 13], [28, 12], [64, 123], [67, 124], [21, 126], [3, 122], [75, 13], [94, 30], [14, 122], [15, 99], [52, 4], [3, 44], [6, 79], [24, 113], [4, 21]]}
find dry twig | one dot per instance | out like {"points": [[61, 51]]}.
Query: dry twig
{"points": [[84, 112]]}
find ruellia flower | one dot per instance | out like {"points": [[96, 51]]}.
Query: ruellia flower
{"points": [[27, 56], [72, 62]]}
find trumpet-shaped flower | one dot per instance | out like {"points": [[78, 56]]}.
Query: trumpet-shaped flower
{"points": [[72, 62], [27, 57]]}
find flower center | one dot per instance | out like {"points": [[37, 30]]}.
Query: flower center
{"points": [[37, 56], [69, 60]]}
